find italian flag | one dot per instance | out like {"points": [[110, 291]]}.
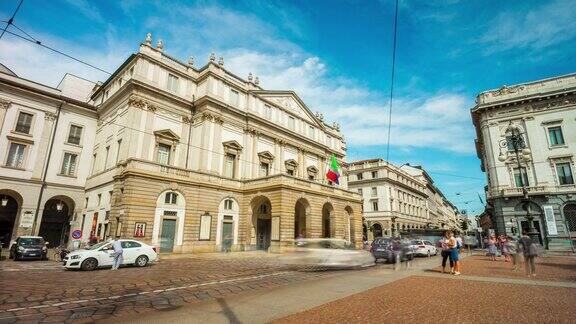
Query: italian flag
{"points": [[333, 174]]}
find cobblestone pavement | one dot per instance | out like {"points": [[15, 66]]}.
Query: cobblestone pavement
{"points": [[555, 268], [420, 299], [42, 291]]}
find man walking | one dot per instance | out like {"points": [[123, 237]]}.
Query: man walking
{"points": [[117, 255]]}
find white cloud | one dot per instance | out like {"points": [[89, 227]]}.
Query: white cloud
{"points": [[550, 23]]}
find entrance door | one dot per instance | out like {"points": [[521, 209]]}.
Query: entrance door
{"points": [[264, 228], [227, 236], [526, 227], [167, 235], [7, 220]]}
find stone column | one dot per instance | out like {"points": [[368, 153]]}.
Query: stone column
{"points": [[4, 106], [43, 145], [254, 161], [216, 147], [148, 128], [204, 145]]}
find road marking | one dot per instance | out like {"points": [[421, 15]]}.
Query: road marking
{"points": [[145, 292]]}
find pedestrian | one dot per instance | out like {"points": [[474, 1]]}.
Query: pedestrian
{"points": [[530, 253], [492, 250], [446, 253], [117, 254], [454, 251], [513, 253], [504, 248]]}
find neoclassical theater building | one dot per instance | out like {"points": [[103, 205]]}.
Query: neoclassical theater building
{"points": [[187, 159]]}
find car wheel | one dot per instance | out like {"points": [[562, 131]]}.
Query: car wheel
{"points": [[141, 261], [89, 264]]}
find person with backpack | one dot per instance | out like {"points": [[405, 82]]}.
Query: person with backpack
{"points": [[530, 253]]}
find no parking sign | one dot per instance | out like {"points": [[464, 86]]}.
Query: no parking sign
{"points": [[77, 234]]}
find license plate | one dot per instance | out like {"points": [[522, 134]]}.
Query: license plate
{"points": [[380, 249], [33, 254]]}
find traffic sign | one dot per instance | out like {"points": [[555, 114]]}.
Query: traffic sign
{"points": [[77, 234]]}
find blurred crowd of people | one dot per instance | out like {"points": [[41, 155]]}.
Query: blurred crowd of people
{"points": [[513, 249]]}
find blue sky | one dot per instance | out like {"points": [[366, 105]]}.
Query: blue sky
{"points": [[336, 55]]}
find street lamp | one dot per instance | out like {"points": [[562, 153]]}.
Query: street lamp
{"points": [[393, 218], [59, 206], [522, 153], [4, 201]]}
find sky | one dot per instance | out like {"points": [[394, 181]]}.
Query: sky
{"points": [[336, 54]]}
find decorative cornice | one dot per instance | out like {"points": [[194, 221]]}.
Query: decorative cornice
{"points": [[187, 120], [141, 103], [566, 101], [49, 116]]}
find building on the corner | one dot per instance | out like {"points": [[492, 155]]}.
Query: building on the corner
{"points": [[398, 199], [188, 159], [543, 114]]}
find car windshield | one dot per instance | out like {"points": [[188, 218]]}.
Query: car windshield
{"points": [[382, 242], [27, 241], [416, 242], [96, 246]]}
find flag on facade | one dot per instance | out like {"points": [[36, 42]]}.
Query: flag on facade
{"points": [[333, 171]]}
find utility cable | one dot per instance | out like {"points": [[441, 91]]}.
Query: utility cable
{"points": [[11, 20], [392, 82]]}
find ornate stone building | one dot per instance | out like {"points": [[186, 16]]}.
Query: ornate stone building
{"points": [[532, 177], [191, 159], [399, 199]]}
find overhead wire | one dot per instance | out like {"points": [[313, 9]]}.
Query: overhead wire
{"points": [[392, 82], [11, 20]]}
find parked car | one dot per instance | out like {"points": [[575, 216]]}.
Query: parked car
{"points": [[388, 249], [423, 248], [28, 247], [331, 253], [100, 255]]}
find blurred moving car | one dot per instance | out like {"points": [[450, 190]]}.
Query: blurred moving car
{"points": [[389, 249], [101, 255], [28, 247], [332, 253], [423, 248]]}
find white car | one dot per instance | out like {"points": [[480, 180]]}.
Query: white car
{"points": [[330, 253], [423, 248], [101, 255]]}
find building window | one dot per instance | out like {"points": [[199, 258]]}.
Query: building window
{"points": [[556, 137], [263, 209], [564, 173], [360, 191], [99, 199], [172, 83], [311, 132], [24, 123], [374, 191], [16, 155], [268, 111], [171, 198], [69, 164], [375, 205], [234, 97], [163, 155], [229, 165], [374, 174], [107, 156], [118, 150], [75, 134], [290, 172], [329, 141], [85, 205], [359, 176], [291, 123], [311, 177], [521, 181], [228, 204], [264, 169]]}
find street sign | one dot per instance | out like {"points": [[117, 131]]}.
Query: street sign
{"points": [[27, 220], [77, 234]]}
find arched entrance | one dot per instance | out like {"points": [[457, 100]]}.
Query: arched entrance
{"points": [[55, 225], [570, 216], [377, 230], [262, 221], [350, 235], [327, 214], [9, 210], [301, 210]]}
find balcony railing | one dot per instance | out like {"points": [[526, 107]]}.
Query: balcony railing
{"points": [[532, 190]]}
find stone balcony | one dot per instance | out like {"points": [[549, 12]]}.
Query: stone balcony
{"points": [[532, 191]]}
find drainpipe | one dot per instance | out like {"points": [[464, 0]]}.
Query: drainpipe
{"points": [[43, 184], [192, 111]]}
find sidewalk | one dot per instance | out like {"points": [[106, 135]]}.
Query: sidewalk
{"points": [[218, 255]]}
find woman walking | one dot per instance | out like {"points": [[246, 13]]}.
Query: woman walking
{"points": [[454, 252], [505, 248], [530, 254], [446, 253], [492, 250]]}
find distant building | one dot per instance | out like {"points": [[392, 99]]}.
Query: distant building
{"points": [[188, 159], [399, 199], [543, 115]]}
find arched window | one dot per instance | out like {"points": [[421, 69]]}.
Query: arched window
{"points": [[171, 198], [228, 204]]}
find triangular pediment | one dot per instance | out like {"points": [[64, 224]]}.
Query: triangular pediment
{"points": [[167, 133], [233, 145], [290, 101], [312, 169], [291, 162], [266, 155]]}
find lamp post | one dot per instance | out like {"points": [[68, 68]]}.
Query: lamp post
{"points": [[393, 219], [522, 153]]}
